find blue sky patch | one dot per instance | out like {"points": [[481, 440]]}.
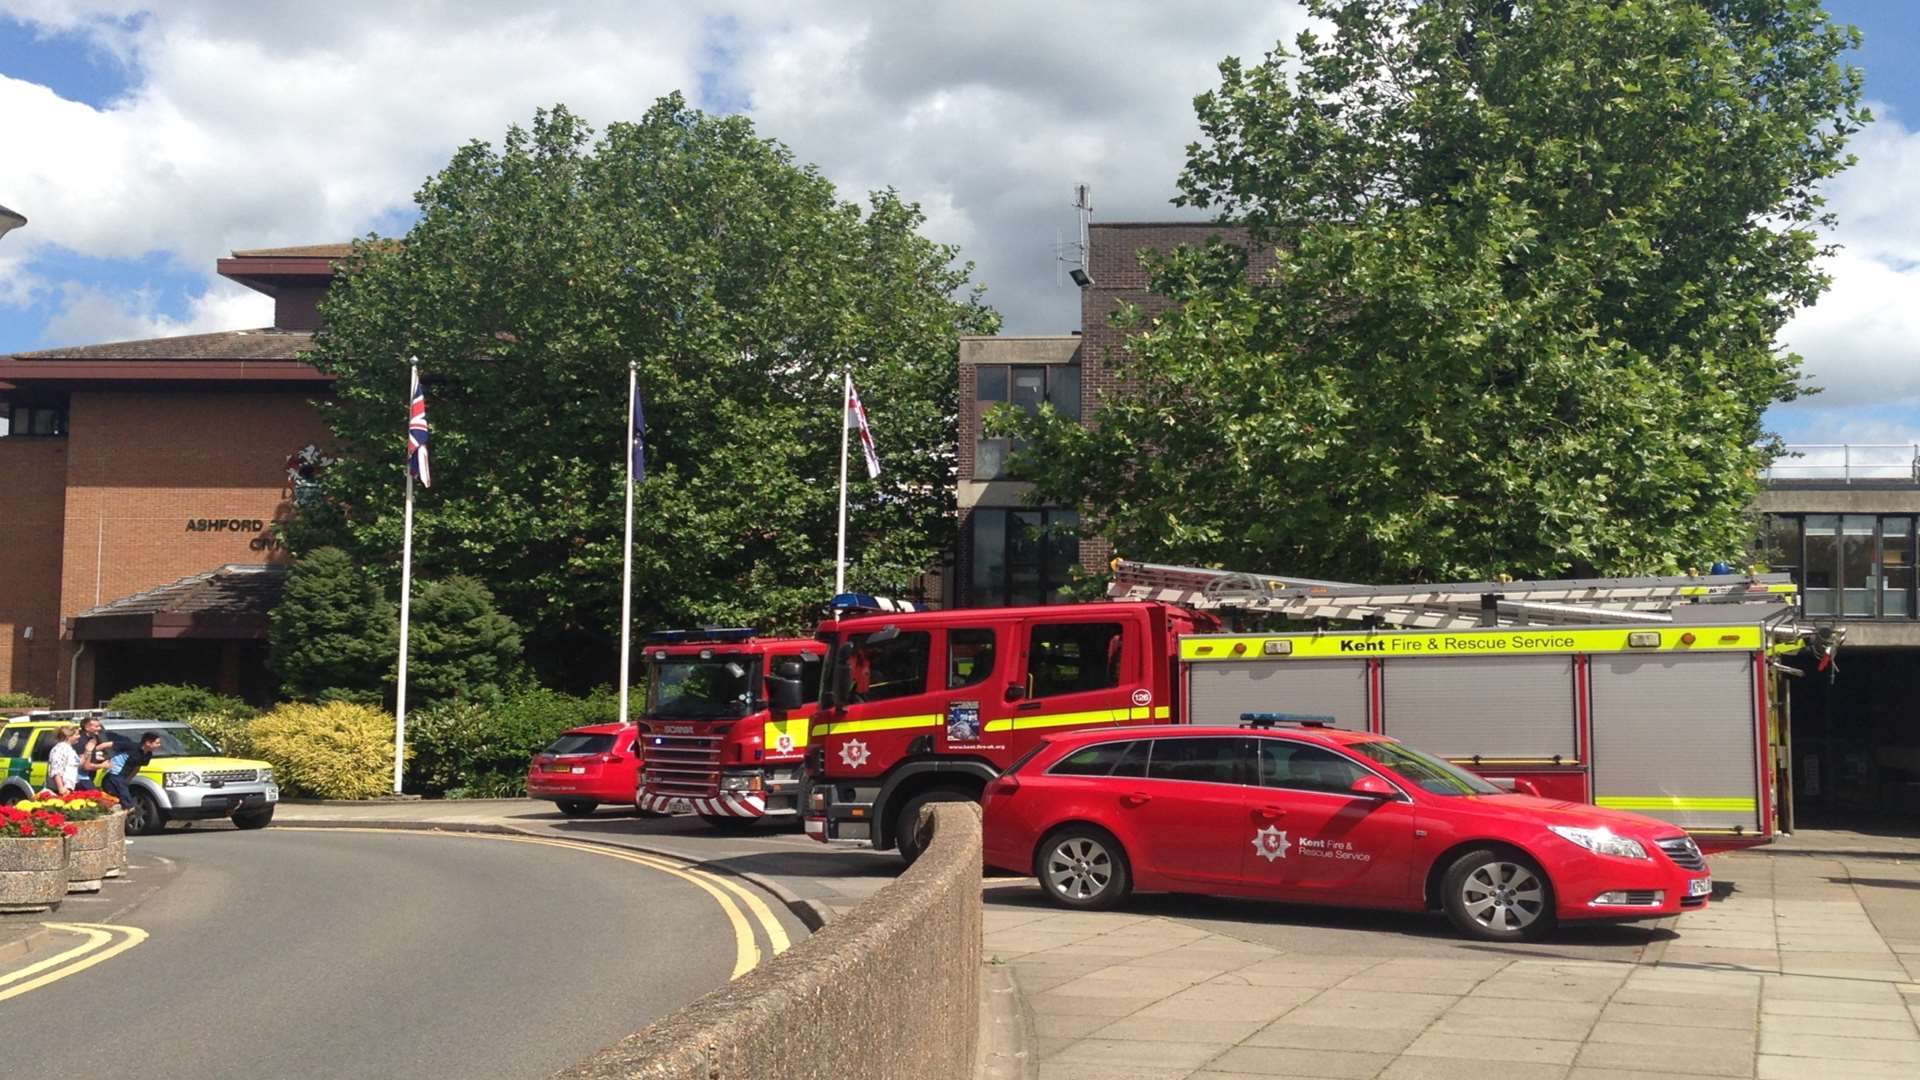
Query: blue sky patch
{"points": [[70, 64]]}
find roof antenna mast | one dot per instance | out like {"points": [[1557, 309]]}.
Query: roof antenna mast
{"points": [[1073, 254]]}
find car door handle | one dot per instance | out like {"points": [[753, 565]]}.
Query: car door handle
{"points": [[1137, 798], [1269, 813], [1030, 706]]}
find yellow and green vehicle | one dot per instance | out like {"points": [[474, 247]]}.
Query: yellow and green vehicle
{"points": [[189, 779]]}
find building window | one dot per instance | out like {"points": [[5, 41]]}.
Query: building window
{"points": [[1022, 556], [45, 421], [1025, 385], [1850, 565]]}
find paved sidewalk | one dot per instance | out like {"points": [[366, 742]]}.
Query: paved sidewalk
{"points": [[1809, 969]]}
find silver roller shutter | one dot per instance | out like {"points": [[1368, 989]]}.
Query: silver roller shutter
{"points": [[1221, 691], [1674, 737], [1501, 707]]}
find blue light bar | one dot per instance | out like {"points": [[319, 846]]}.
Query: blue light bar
{"points": [[713, 633], [1269, 719], [852, 602]]}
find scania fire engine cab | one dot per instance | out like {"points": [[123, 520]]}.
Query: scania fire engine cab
{"points": [[724, 732]]}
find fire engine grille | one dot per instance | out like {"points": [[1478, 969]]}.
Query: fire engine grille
{"points": [[1684, 853], [683, 764]]}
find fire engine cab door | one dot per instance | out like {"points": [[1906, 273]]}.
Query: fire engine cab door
{"points": [[978, 663], [1312, 839], [1078, 669]]}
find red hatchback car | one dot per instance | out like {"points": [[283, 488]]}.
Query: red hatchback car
{"points": [[586, 767], [1315, 815]]}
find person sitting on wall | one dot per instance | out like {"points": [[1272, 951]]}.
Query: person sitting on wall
{"points": [[63, 761]]}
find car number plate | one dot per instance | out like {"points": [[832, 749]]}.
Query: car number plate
{"points": [[560, 768], [679, 806], [1699, 887]]}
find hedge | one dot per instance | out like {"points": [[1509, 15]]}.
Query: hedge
{"points": [[164, 701], [333, 751], [464, 749]]}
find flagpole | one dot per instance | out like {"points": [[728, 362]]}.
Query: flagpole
{"points": [[840, 560], [406, 596], [626, 571]]}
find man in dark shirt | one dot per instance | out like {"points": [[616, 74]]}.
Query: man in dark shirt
{"points": [[127, 764], [96, 748]]}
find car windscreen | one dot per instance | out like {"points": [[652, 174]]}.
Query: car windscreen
{"points": [[1429, 773], [174, 741], [580, 744]]}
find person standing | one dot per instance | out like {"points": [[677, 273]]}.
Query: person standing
{"points": [[63, 761], [126, 765], [95, 751]]}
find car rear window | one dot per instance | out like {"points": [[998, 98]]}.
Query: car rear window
{"points": [[1098, 759], [581, 744]]}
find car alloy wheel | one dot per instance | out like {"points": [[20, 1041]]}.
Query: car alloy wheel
{"points": [[1504, 897], [1080, 869]]}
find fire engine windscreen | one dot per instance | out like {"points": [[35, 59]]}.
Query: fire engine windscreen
{"points": [[720, 688], [1430, 773]]}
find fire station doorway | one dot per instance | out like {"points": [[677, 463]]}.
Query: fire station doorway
{"points": [[1856, 741]]}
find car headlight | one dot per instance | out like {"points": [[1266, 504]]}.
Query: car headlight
{"points": [[266, 776], [181, 778], [1601, 841]]}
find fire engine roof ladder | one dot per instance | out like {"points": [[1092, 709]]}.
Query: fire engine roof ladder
{"points": [[1455, 606]]}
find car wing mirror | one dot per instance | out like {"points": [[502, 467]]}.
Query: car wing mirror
{"points": [[1372, 787]]}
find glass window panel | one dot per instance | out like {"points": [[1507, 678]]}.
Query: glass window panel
{"points": [[1896, 566], [1063, 552], [1063, 390], [1222, 760], [1024, 558], [1857, 579], [990, 459], [1029, 387], [1096, 760], [1287, 764], [1823, 552], [1135, 761], [44, 422], [989, 557], [1073, 658], [969, 657], [990, 382], [891, 669], [1780, 546]]}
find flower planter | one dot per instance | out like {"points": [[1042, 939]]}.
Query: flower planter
{"points": [[117, 843], [88, 856], [33, 873]]}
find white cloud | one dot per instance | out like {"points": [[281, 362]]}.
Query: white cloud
{"points": [[90, 315]]}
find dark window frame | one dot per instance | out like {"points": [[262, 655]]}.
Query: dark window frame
{"points": [[1800, 566], [1058, 554], [1064, 401]]}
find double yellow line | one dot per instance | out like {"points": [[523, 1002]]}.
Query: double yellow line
{"points": [[725, 891], [103, 943]]}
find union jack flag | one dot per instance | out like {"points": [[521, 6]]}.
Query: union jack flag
{"points": [[418, 433], [858, 414]]}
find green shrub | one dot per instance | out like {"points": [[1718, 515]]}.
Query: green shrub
{"points": [[164, 701], [232, 734], [23, 701], [334, 751], [332, 628], [464, 749]]}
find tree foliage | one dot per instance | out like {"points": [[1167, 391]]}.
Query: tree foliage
{"points": [[460, 645], [1531, 260], [332, 630], [741, 286]]}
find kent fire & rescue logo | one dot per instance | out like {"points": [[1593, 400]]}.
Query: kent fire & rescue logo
{"points": [[854, 753], [1271, 843], [785, 743]]}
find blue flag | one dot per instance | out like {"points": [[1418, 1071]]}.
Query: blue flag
{"points": [[639, 436]]}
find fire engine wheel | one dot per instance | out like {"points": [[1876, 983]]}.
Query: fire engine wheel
{"points": [[1498, 896], [1084, 868], [576, 807]]}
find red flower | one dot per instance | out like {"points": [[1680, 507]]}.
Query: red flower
{"points": [[71, 830]]}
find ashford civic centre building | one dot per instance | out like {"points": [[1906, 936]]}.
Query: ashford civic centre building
{"points": [[139, 482]]}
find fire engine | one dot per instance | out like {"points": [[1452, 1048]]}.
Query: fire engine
{"points": [[725, 724], [1658, 695]]}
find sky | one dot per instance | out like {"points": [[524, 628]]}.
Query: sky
{"points": [[144, 141]]}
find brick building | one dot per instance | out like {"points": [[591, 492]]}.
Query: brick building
{"points": [[1009, 552], [138, 484]]}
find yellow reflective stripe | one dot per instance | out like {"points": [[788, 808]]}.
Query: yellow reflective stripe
{"points": [[795, 726], [1051, 720], [888, 723], [1676, 802], [1161, 712], [1536, 641]]}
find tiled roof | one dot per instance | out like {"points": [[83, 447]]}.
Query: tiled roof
{"points": [[304, 251], [262, 344], [233, 589]]}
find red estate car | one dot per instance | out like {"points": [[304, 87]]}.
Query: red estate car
{"points": [[1314, 815], [586, 767]]}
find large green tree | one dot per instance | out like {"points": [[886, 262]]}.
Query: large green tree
{"points": [[1530, 261], [740, 284], [332, 629]]}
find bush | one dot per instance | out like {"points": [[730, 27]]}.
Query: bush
{"points": [[462, 647], [334, 751], [164, 701], [23, 701], [331, 629], [463, 749], [232, 734]]}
